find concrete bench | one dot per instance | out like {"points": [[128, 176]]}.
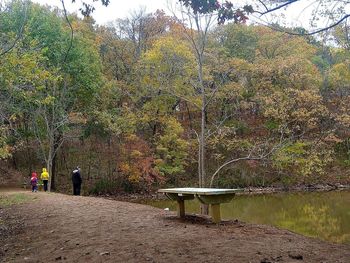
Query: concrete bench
{"points": [[210, 196]]}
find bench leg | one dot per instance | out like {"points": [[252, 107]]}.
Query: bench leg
{"points": [[181, 208], [215, 213]]}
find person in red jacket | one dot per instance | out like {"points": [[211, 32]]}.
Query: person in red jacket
{"points": [[34, 181]]}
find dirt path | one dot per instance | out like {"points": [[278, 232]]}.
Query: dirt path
{"points": [[84, 229]]}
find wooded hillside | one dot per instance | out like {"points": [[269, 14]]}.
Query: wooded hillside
{"points": [[125, 102]]}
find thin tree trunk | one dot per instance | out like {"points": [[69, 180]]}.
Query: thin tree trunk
{"points": [[202, 150], [54, 161], [49, 160], [48, 169], [202, 144], [29, 157], [199, 164], [53, 173]]}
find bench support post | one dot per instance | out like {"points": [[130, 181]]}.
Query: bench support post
{"points": [[215, 213], [181, 208]]}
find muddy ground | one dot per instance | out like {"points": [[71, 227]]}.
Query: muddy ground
{"points": [[62, 228]]}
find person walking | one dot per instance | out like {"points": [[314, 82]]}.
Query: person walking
{"points": [[77, 180], [45, 177], [34, 181]]}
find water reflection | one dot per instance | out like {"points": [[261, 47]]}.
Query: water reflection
{"points": [[325, 215]]}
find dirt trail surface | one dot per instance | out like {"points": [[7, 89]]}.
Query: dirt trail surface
{"points": [[62, 228]]}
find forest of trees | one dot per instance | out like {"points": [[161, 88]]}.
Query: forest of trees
{"points": [[132, 102]]}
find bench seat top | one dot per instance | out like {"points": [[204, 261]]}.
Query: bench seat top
{"points": [[200, 191]]}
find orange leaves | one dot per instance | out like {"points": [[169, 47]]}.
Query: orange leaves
{"points": [[138, 163]]}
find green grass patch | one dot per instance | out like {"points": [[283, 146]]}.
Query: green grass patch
{"points": [[14, 199]]}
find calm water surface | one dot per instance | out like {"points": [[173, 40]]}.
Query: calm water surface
{"points": [[324, 215]]}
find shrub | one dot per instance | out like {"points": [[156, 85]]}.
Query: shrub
{"points": [[104, 186]]}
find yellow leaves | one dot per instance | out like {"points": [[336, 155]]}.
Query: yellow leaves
{"points": [[272, 44], [169, 67], [344, 119], [116, 123], [173, 127], [288, 72], [229, 90], [77, 118], [275, 105], [136, 154], [316, 162], [48, 100], [133, 174], [131, 137], [158, 162], [26, 72], [135, 177], [170, 61], [307, 105], [303, 106], [13, 117], [124, 168], [338, 99], [240, 65], [167, 47], [171, 149], [339, 74], [289, 91], [304, 158], [5, 149]]}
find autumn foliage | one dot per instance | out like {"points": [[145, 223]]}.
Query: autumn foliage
{"points": [[125, 105]]}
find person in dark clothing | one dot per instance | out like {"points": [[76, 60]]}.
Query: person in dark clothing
{"points": [[76, 179]]}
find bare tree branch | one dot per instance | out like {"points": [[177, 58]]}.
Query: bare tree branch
{"points": [[20, 32], [218, 126], [212, 95], [270, 10], [71, 29], [290, 2], [313, 32], [250, 155]]}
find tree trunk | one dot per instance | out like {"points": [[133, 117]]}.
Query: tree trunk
{"points": [[53, 173], [49, 164], [199, 164], [204, 207], [202, 149], [30, 157], [202, 142], [49, 168]]}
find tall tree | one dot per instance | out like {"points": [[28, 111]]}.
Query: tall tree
{"points": [[71, 80]]}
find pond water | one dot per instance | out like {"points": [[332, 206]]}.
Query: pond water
{"points": [[324, 215]]}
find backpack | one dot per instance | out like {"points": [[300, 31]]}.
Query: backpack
{"points": [[33, 180]]}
